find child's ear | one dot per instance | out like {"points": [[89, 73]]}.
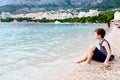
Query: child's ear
{"points": [[99, 35]]}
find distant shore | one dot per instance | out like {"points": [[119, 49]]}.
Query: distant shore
{"points": [[53, 23], [95, 71], [101, 18]]}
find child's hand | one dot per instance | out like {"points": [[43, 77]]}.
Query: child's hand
{"points": [[106, 64]]}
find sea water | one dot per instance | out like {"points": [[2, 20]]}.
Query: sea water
{"points": [[36, 51]]}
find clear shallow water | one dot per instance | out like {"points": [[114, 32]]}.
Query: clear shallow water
{"points": [[30, 51]]}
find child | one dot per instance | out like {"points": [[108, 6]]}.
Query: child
{"points": [[102, 55]]}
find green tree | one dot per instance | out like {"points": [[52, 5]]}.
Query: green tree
{"points": [[7, 20]]}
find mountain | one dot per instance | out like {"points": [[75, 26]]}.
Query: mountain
{"points": [[36, 5], [107, 5], [55, 2]]}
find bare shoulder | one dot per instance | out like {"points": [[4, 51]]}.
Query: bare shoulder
{"points": [[105, 43]]}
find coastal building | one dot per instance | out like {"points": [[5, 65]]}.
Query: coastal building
{"points": [[6, 15], [82, 14], [90, 13], [45, 15], [29, 15], [57, 15]]}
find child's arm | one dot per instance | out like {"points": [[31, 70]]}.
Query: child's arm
{"points": [[106, 62]]}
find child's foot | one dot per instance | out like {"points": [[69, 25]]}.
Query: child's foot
{"points": [[80, 60], [77, 61], [85, 62]]}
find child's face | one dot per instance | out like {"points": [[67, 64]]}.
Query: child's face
{"points": [[117, 23], [97, 36]]}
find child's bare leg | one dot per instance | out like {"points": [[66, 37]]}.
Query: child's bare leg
{"points": [[84, 58], [90, 55]]}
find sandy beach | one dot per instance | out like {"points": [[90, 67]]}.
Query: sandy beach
{"points": [[95, 71]]}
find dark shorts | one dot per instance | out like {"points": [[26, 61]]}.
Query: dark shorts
{"points": [[99, 56], [118, 27]]}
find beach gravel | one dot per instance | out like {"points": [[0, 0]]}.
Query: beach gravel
{"points": [[96, 71]]}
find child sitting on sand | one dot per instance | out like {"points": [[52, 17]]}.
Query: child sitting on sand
{"points": [[102, 55]]}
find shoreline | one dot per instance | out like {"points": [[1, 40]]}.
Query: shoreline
{"points": [[95, 71], [52, 23]]}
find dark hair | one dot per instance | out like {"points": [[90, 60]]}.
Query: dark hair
{"points": [[100, 31]]}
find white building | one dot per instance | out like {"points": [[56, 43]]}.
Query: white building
{"points": [[56, 15], [82, 14], [6, 15], [39, 15], [90, 13]]}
